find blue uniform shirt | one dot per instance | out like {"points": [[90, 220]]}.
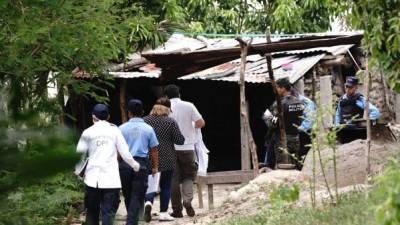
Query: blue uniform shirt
{"points": [[309, 110], [140, 137], [373, 111]]}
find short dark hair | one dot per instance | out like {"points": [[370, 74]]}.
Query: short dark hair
{"points": [[135, 107], [172, 91], [284, 83]]}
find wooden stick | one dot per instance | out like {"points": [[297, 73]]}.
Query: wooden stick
{"points": [[283, 140], [246, 133], [368, 119]]}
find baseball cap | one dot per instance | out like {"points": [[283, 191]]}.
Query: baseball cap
{"points": [[100, 111], [135, 106], [351, 82]]}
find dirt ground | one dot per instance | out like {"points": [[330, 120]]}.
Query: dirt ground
{"points": [[221, 193], [235, 200], [351, 162]]}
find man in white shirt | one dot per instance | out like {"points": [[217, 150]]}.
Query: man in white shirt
{"points": [[100, 143], [188, 119]]}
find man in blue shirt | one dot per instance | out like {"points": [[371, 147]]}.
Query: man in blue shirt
{"points": [[350, 110], [142, 142]]}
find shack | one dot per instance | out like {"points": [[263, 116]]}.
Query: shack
{"points": [[207, 70]]}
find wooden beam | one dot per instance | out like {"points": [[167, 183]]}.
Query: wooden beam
{"points": [[283, 141], [246, 134]]}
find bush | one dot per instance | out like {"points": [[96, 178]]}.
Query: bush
{"points": [[48, 202]]}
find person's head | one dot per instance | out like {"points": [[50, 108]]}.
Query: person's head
{"points": [[283, 87], [162, 107], [172, 91], [135, 108], [351, 85], [100, 112]]}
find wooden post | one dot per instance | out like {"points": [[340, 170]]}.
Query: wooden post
{"points": [[210, 197], [200, 191], [300, 86], [122, 100], [314, 85], [246, 134], [368, 119], [326, 99], [283, 141]]}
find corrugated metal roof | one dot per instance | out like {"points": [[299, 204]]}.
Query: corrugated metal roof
{"points": [[135, 74], [292, 67], [333, 50]]}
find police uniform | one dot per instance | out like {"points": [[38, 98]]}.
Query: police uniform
{"points": [[292, 112], [349, 110]]}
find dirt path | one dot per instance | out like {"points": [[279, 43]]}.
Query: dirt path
{"points": [[221, 193]]}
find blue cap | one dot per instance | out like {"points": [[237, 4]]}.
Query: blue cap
{"points": [[135, 106], [100, 111], [351, 82]]}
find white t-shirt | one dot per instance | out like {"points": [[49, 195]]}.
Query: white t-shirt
{"points": [[185, 114], [101, 142]]}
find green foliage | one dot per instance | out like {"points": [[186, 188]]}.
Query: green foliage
{"points": [[238, 16], [388, 213], [45, 203], [284, 194], [356, 209], [380, 21]]}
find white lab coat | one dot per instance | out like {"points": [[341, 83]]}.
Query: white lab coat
{"points": [[101, 142], [202, 154]]}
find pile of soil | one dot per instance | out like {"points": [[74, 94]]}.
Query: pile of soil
{"points": [[351, 162]]}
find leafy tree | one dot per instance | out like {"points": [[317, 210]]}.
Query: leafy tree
{"points": [[380, 21]]}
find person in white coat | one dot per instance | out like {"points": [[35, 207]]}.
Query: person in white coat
{"points": [[100, 143]]}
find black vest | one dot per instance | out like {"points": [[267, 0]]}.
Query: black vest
{"points": [[292, 113], [349, 109]]}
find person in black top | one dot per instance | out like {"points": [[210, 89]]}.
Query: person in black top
{"points": [[292, 115], [168, 134]]}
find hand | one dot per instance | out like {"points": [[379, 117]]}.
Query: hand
{"points": [[154, 171], [136, 166]]}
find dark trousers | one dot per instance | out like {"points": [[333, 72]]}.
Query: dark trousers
{"points": [[165, 186], [97, 199], [270, 160], [134, 186], [182, 181], [351, 133]]}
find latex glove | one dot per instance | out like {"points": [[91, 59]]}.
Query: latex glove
{"points": [[136, 166], [267, 114]]}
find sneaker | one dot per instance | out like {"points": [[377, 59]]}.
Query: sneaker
{"points": [[164, 216], [177, 214], [147, 211], [189, 209]]}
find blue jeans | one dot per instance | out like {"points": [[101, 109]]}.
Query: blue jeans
{"points": [[134, 186], [97, 199], [165, 194]]}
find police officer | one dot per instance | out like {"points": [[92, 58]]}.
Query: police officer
{"points": [[305, 127], [293, 110], [350, 111], [100, 143]]}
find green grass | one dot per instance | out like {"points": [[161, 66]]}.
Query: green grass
{"points": [[355, 209]]}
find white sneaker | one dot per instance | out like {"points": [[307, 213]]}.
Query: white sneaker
{"points": [[147, 211], [164, 216]]}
